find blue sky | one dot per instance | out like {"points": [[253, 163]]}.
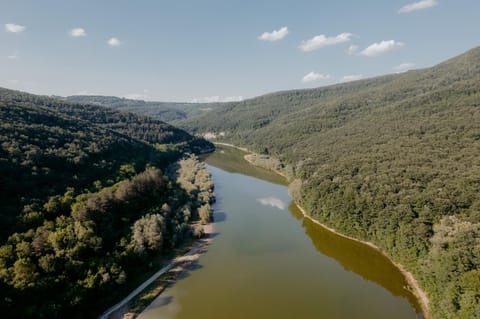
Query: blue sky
{"points": [[211, 50]]}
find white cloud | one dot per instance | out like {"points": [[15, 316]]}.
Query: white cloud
{"points": [[14, 82], [404, 67], [114, 42], [380, 48], [275, 35], [312, 76], [12, 56], [78, 32], [322, 40], [217, 99], [352, 77], [272, 201], [420, 5], [353, 49], [14, 28]]}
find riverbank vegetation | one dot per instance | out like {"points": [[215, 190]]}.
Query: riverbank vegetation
{"points": [[86, 208], [393, 160]]}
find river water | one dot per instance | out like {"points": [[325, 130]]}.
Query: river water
{"points": [[267, 261]]}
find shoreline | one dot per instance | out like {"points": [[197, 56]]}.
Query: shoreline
{"points": [[177, 266], [231, 145], [411, 281]]}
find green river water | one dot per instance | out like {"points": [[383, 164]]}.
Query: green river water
{"points": [[267, 261]]}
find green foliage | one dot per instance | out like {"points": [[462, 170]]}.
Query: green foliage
{"points": [[164, 111], [74, 213], [147, 233], [386, 159], [86, 255], [138, 127], [205, 213]]}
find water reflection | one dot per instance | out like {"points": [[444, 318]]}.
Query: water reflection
{"points": [[231, 160], [272, 201], [353, 256], [357, 257]]}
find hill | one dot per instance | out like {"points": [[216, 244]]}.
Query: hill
{"points": [[393, 160], [85, 207], [164, 111], [140, 127]]}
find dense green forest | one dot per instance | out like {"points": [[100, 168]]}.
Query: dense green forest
{"points": [[140, 127], [394, 160], [165, 111], [85, 205]]}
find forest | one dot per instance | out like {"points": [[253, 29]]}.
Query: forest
{"points": [[164, 111], [92, 200], [394, 160]]}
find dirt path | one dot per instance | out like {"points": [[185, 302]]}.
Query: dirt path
{"points": [[179, 263]]}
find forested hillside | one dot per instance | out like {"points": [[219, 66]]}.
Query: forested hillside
{"points": [[394, 160], [85, 206], [164, 111], [144, 128]]}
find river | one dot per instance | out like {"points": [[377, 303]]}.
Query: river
{"points": [[267, 261]]}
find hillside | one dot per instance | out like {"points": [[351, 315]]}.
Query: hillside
{"points": [[85, 207], [394, 160], [140, 127], [164, 111]]}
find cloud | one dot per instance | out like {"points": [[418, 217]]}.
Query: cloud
{"points": [[114, 42], [14, 82], [352, 77], [404, 67], [275, 35], [312, 76], [12, 56], [78, 32], [272, 201], [420, 5], [14, 28], [382, 47], [217, 99], [353, 49], [322, 40]]}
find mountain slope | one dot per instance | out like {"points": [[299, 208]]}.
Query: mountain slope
{"points": [[394, 160], [85, 210], [164, 111], [136, 126]]}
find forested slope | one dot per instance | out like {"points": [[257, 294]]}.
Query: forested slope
{"points": [[136, 126], [394, 160], [85, 206], [164, 111]]}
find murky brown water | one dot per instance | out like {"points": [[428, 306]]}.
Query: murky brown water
{"points": [[267, 261]]}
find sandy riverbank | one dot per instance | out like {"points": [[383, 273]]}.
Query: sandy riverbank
{"points": [[176, 268]]}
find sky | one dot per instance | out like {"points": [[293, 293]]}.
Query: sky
{"points": [[212, 50]]}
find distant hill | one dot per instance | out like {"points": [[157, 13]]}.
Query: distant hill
{"points": [[136, 126], [392, 159], [85, 207], [165, 111]]}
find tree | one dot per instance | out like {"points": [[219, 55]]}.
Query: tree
{"points": [[147, 233]]}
